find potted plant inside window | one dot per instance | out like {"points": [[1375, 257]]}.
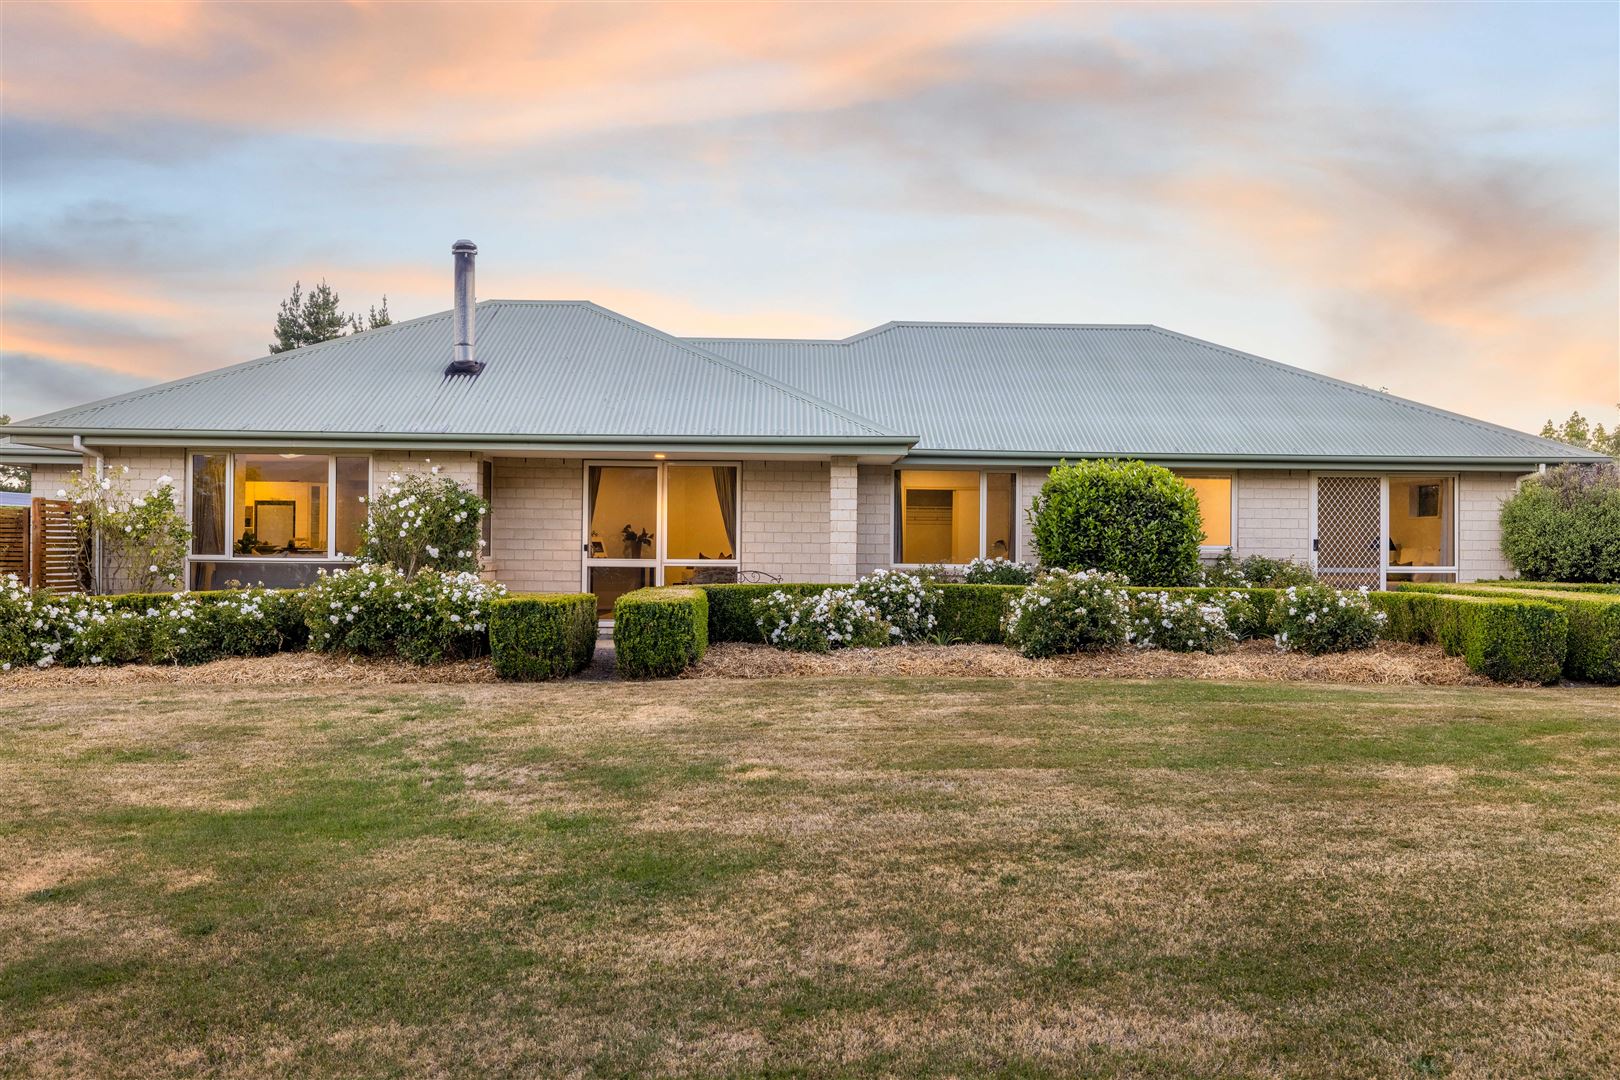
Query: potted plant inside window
{"points": [[634, 541]]}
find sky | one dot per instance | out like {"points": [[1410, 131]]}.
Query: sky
{"points": [[1423, 199]]}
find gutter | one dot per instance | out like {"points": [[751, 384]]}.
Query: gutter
{"points": [[1247, 461]]}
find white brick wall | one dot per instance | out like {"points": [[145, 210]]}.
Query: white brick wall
{"points": [[843, 503], [784, 519], [875, 518], [1479, 532], [1029, 485], [1273, 514], [461, 466], [538, 513]]}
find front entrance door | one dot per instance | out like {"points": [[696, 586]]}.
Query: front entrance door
{"points": [[621, 515], [1349, 531]]}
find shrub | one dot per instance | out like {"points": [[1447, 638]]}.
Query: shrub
{"points": [[998, 571], [42, 629], [973, 614], [1068, 611], [1257, 570], [424, 522], [1565, 524], [731, 608], [1160, 620], [660, 632], [1121, 517], [904, 601], [542, 637], [1503, 638], [1593, 653], [377, 611], [1318, 619], [144, 536], [194, 628], [821, 621]]}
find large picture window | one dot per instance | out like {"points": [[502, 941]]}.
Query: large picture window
{"points": [[658, 524], [954, 516], [1215, 505], [273, 517], [1422, 528]]}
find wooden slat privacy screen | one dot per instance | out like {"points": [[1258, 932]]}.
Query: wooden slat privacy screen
{"points": [[56, 547], [15, 542]]}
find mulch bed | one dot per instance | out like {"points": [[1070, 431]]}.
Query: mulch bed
{"points": [[1387, 663]]}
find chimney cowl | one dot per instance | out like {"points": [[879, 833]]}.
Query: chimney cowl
{"points": [[462, 359]]}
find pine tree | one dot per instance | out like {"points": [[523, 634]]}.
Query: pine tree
{"points": [[1578, 431], [307, 320]]}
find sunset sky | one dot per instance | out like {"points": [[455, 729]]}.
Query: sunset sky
{"points": [[1420, 198]]}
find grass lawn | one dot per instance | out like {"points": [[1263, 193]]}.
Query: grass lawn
{"points": [[808, 878]]}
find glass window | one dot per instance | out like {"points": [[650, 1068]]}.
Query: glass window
{"points": [[1445, 577], [246, 573], [624, 511], [938, 519], [1000, 516], [208, 504], [353, 485], [280, 505], [1421, 524], [701, 511], [1215, 504], [611, 582]]}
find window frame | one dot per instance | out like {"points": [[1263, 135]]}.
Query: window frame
{"points": [[1455, 509], [1232, 508], [897, 539], [659, 558], [330, 509]]}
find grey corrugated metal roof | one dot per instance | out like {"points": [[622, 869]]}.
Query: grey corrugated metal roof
{"points": [[16, 453], [1141, 391], [552, 368]]}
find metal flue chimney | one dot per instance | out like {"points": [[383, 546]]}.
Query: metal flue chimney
{"points": [[462, 360]]}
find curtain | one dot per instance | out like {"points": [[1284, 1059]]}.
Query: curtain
{"points": [[725, 488], [208, 504]]}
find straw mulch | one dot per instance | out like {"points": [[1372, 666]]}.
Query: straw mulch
{"points": [[293, 668], [1388, 663]]}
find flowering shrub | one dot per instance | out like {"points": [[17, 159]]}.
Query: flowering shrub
{"points": [[905, 601], [377, 611], [1256, 571], [1069, 610], [42, 629], [424, 522], [1182, 623], [144, 537], [998, 571], [820, 622], [194, 628], [1318, 619]]}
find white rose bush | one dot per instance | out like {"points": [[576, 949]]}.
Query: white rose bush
{"points": [[887, 607], [1319, 619], [144, 537], [424, 521], [375, 610], [1160, 620], [1070, 611]]}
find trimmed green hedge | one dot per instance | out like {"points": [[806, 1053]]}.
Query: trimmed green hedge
{"points": [[731, 608], [216, 630], [542, 637], [972, 614], [1593, 653], [1560, 586], [660, 632], [1508, 639]]}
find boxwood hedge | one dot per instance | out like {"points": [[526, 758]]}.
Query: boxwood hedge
{"points": [[542, 637], [1505, 638], [1593, 652], [661, 631]]}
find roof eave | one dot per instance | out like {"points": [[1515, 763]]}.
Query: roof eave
{"points": [[1259, 461]]}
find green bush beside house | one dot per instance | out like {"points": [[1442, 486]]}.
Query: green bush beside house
{"points": [[1593, 651], [542, 637], [660, 632], [1503, 638]]}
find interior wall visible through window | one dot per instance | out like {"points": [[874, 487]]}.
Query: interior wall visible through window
{"points": [[954, 516], [1215, 506]]}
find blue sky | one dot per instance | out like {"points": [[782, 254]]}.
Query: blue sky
{"points": [[1422, 198]]}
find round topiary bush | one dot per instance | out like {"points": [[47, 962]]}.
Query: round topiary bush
{"points": [[1565, 525], [1124, 517]]}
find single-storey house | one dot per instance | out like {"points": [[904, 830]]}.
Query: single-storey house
{"points": [[615, 455]]}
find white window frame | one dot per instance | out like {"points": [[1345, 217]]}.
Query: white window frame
{"points": [[896, 541], [659, 559], [230, 506], [1232, 511]]}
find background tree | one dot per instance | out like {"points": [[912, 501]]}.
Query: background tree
{"points": [[307, 320], [1578, 431]]}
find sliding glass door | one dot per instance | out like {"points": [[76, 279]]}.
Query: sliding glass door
{"points": [[658, 524]]}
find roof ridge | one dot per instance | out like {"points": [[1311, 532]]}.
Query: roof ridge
{"points": [[1378, 395], [746, 372], [894, 324]]}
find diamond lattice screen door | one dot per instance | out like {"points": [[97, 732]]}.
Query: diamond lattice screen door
{"points": [[1349, 531]]}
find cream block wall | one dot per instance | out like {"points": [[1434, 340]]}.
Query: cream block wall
{"points": [[784, 520], [874, 528], [1273, 514], [1479, 526], [538, 513], [464, 467], [843, 508]]}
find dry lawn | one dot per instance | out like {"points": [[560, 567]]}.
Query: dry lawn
{"points": [[809, 877]]}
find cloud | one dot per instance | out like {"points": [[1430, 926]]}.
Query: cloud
{"points": [[31, 385]]}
